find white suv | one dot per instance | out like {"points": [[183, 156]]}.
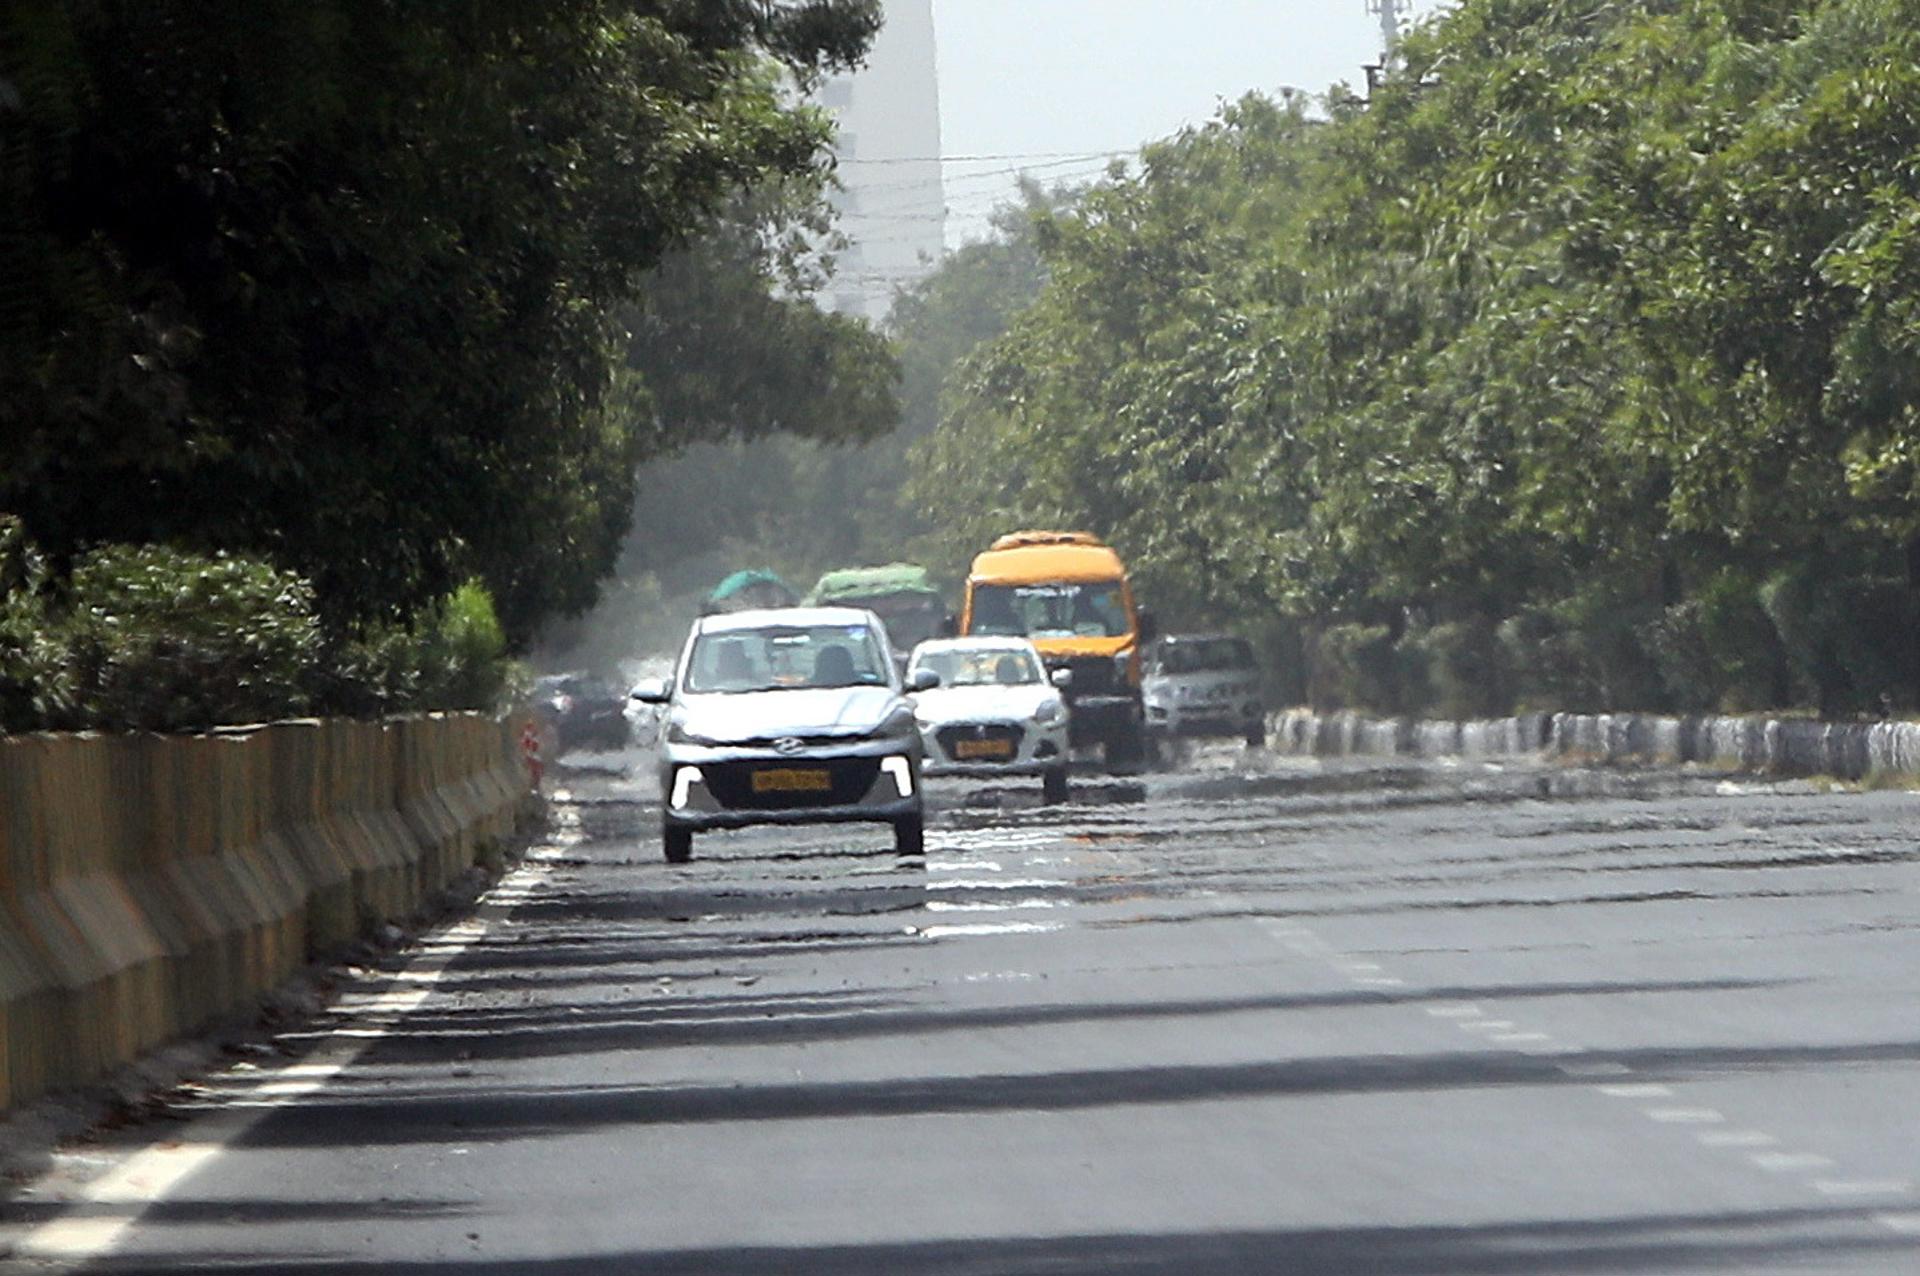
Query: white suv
{"points": [[1204, 685]]}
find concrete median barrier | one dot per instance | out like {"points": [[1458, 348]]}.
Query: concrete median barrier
{"points": [[1774, 746], [153, 885]]}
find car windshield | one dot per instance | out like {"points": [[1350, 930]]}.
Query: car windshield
{"points": [[1065, 610], [1205, 655], [738, 660], [981, 666]]}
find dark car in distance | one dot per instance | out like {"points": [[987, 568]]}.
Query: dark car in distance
{"points": [[581, 711]]}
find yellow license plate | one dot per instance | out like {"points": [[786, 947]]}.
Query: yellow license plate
{"points": [[793, 780], [1001, 749]]}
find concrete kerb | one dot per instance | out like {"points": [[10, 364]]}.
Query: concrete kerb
{"points": [[149, 885], [1776, 746]]}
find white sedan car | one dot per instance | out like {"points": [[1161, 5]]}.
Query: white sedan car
{"points": [[994, 712]]}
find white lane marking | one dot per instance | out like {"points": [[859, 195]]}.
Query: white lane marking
{"points": [[1595, 1068], [1737, 1139], [1635, 1091], [118, 1198], [1685, 1116], [1487, 1025], [1521, 1038], [997, 928], [1454, 1012], [1380, 981], [1362, 967], [964, 866], [1787, 1162], [1862, 1187], [991, 906], [1000, 884], [1905, 1224]]}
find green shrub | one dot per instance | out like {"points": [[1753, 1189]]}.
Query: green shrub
{"points": [[36, 686], [1464, 670], [1718, 650], [450, 655], [164, 640], [1353, 668], [467, 663]]}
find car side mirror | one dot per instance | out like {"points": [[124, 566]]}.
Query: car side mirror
{"points": [[922, 680], [1147, 625], [1061, 678], [652, 691]]}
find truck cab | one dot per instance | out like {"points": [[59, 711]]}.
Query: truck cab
{"points": [[1069, 593]]}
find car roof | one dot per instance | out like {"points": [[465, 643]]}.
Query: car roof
{"points": [[784, 618], [978, 642]]}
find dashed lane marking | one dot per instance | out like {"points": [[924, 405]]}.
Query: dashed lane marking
{"points": [[1635, 1091], [1454, 1012], [1737, 1139], [1686, 1116], [1862, 1187], [1788, 1162], [1905, 1224]]}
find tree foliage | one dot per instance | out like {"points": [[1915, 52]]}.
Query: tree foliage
{"points": [[343, 286], [1588, 341]]}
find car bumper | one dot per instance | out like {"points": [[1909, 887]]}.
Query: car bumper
{"points": [[706, 788], [860, 813], [1039, 750], [1203, 720]]}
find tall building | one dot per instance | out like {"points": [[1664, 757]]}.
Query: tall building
{"points": [[893, 206]]}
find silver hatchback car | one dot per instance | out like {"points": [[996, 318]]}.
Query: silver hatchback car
{"points": [[795, 715]]}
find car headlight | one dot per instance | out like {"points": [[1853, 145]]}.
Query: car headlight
{"points": [[677, 733], [1049, 713]]}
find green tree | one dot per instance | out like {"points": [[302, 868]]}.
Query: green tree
{"points": [[341, 284]]}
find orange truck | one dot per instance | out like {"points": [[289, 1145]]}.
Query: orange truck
{"points": [[1069, 593]]}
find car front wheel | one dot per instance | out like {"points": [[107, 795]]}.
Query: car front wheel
{"points": [[677, 843], [910, 835]]}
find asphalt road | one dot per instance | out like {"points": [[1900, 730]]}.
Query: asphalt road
{"points": [[1247, 1016]]}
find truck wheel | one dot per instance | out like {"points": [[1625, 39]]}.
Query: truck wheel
{"points": [[677, 843], [910, 836], [1053, 785]]}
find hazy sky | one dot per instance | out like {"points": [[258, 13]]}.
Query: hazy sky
{"points": [[1025, 77]]}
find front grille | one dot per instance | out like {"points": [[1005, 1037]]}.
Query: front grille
{"points": [[731, 783], [950, 738]]}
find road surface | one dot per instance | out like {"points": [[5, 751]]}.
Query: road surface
{"points": [[1252, 1015]]}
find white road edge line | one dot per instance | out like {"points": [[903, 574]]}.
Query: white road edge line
{"points": [[144, 1179]]}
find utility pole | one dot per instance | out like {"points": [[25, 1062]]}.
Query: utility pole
{"points": [[1389, 11]]}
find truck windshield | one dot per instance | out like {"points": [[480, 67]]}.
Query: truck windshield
{"points": [[911, 618], [1093, 609]]}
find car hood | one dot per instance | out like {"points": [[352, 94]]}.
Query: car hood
{"points": [[974, 704], [803, 711]]}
